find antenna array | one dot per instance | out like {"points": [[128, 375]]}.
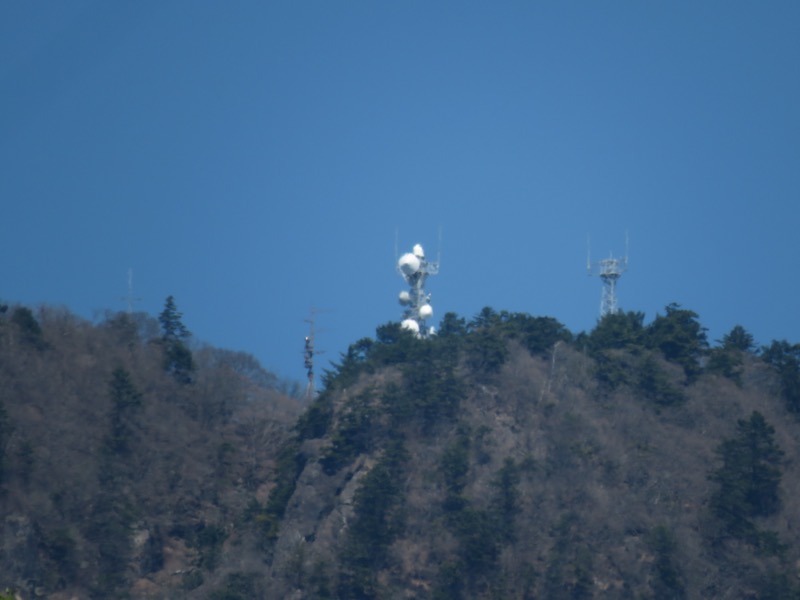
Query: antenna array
{"points": [[609, 270], [415, 269]]}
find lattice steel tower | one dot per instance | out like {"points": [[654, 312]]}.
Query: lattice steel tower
{"points": [[609, 270]]}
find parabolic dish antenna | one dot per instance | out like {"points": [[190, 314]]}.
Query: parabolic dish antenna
{"points": [[415, 269]]}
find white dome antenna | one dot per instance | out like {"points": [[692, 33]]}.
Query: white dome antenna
{"points": [[415, 269], [409, 264]]}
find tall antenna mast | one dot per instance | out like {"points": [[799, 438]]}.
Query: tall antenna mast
{"points": [[130, 299], [415, 269], [609, 270]]}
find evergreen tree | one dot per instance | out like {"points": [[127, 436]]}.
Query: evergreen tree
{"points": [[785, 359], [727, 363], [125, 398], [537, 334], [727, 359], [617, 331], [488, 317], [452, 326], [680, 338], [749, 479], [738, 339], [29, 328], [668, 581], [113, 508], [178, 359], [655, 385]]}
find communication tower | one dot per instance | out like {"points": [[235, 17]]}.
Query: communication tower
{"points": [[415, 269], [609, 270]]}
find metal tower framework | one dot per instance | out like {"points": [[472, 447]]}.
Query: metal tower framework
{"points": [[609, 270], [415, 269]]}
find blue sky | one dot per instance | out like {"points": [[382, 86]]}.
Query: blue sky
{"points": [[254, 159]]}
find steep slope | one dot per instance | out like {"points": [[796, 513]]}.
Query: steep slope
{"points": [[495, 463]]}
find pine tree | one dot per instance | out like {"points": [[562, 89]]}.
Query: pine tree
{"points": [[680, 338], [738, 339], [178, 359], [125, 399], [749, 478], [617, 331], [785, 359]]}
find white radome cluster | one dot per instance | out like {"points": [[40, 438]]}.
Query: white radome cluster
{"points": [[417, 309]]}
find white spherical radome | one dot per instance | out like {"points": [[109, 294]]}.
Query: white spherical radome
{"points": [[411, 325], [425, 311], [408, 264]]}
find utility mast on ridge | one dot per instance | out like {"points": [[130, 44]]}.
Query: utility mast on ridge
{"points": [[415, 269], [609, 270]]}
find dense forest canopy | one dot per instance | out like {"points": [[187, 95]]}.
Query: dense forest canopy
{"points": [[505, 457]]}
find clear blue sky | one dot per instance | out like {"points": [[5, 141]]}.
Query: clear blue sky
{"points": [[254, 160]]}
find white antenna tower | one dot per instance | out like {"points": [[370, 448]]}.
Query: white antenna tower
{"points": [[609, 270], [130, 299], [415, 269]]}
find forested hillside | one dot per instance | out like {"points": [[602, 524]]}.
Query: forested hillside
{"points": [[506, 457], [127, 457]]}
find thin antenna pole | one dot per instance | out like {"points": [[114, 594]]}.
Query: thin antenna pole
{"points": [[130, 299], [626, 247], [589, 254]]}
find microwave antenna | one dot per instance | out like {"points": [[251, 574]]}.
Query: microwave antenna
{"points": [[415, 269]]}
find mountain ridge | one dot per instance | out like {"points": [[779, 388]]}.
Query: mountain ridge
{"points": [[506, 457]]}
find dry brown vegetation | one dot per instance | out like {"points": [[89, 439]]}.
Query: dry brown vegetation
{"points": [[504, 459], [89, 514], [543, 484]]}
